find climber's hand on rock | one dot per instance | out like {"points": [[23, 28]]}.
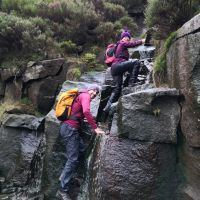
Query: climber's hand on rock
{"points": [[99, 131], [143, 41]]}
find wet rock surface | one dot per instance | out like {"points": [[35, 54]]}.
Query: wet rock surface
{"points": [[20, 162], [123, 169], [183, 72], [93, 77], [150, 115], [54, 156]]}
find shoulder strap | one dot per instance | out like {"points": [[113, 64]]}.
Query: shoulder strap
{"points": [[73, 117], [122, 53]]}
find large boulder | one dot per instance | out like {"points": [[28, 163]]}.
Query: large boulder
{"points": [[189, 167], [22, 121], [42, 93], [54, 156], [21, 156], [43, 88], [127, 169], [183, 72], [39, 81], [150, 115], [43, 69]]}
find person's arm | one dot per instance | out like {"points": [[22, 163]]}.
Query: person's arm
{"points": [[133, 43], [85, 102], [99, 131]]}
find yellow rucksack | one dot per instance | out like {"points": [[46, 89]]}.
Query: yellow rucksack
{"points": [[64, 104]]}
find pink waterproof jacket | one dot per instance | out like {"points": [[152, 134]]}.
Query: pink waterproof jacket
{"points": [[81, 109]]}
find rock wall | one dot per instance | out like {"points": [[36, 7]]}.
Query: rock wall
{"points": [[183, 72], [138, 159], [38, 81]]}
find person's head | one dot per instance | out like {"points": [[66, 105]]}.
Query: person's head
{"points": [[125, 36], [93, 90]]}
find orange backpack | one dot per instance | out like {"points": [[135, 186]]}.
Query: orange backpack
{"points": [[64, 104]]}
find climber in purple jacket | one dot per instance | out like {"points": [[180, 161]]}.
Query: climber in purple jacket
{"points": [[122, 64]]}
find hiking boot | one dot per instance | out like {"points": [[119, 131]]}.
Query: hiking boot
{"points": [[63, 195], [111, 99], [107, 107]]}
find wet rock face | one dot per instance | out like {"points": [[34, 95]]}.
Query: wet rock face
{"points": [[125, 169], [191, 158], [150, 115], [54, 156], [183, 72], [17, 154], [93, 77]]}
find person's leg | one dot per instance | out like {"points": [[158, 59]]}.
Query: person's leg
{"points": [[71, 139], [82, 162], [121, 68], [131, 66], [127, 80], [134, 74], [115, 93]]}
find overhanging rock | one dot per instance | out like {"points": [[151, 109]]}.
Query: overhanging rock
{"points": [[150, 115]]}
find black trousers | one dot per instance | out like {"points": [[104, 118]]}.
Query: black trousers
{"points": [[117, 72]]}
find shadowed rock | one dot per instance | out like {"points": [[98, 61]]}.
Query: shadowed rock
{"points": [[21, 155]]}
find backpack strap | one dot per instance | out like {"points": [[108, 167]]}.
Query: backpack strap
{"points": [[73, 117], [121, 54]]}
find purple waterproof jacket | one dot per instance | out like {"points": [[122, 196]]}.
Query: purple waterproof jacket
{"points": [[122, 53]]}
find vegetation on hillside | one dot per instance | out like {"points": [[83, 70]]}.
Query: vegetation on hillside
{"points": [[167, 16], [164, 18], [46, 29]]}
